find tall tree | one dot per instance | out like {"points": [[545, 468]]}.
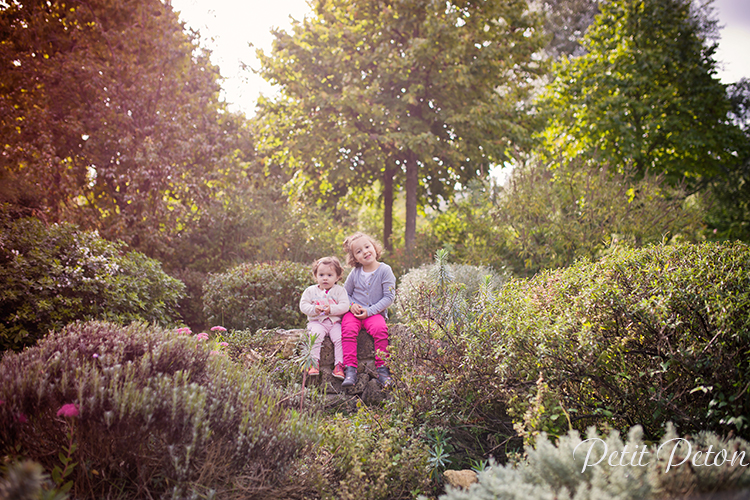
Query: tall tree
{"points": [[645, 96], [110, 117], [413, 93]]}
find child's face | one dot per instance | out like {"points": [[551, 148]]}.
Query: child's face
{"points": [[326, 276], [364, 251]]}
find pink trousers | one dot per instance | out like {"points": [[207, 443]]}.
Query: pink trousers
{"points": [[323, 328], [374, 325]]}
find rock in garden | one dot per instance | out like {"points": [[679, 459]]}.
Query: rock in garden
{"points": [[460, 478]]}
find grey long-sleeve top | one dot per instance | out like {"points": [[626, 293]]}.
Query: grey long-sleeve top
{"points": [[378, 295]]}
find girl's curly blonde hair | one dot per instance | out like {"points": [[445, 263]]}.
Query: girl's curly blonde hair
{"points": [[350, 260]]}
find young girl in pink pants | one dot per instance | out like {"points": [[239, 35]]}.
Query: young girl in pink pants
{"points": [[371, 289]]}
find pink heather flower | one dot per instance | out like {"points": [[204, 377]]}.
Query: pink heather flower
{"points": [[96, 355], [223, 344], [218, 329], [215, 352], [21, 418], [184, 330], [68, 410], [202, 336], [2, 402]]}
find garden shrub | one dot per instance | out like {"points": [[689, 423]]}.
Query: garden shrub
{"points": [[641, 337], [549, 217], [373, 457], [644, 336], [445, 323], [418, 283], [562, 470], [152, 414], [53, 275], [255, 296]]}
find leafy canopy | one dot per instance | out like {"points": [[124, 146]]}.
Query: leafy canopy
{"points": [[110, 117], [414, 93], [645, 96]]}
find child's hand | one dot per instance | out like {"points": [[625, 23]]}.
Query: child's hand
{"points": [[358, 311], [321, 308]]}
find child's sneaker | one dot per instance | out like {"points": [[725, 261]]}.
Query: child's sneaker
{"points": [[312, 371], [338, 372], [350, 378]]}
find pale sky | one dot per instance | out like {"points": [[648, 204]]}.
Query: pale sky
{"points": [[228, 27]]}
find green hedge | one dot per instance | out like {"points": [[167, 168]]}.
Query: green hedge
{"points": [[256, 296], [53, 275]]}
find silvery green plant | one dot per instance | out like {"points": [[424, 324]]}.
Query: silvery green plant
{"points": [[605, 466]]}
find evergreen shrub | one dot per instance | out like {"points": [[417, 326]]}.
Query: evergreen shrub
{"points": [[257, 295], [417, 284], [641, 337], [445, 321], [52, 275], [373, 457], [151, 414], [641, 471]]}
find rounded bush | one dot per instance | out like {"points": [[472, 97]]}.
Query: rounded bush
{"points": [[152, 414], [419, 282], [257, 296], [641, 337], [54, 275]]}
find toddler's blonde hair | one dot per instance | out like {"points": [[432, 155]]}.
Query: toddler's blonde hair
{"points": [[350, 260]]}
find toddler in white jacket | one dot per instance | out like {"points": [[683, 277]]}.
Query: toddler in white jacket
{"points": [[324, 304]]}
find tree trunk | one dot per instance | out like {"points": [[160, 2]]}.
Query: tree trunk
{"points": [[388, 208], [412, 183]]}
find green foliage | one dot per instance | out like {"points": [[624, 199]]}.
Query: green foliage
{"points": [[440, 452], [255, 296], [159, 416], [644, 97], [418, 284], [468, 227], [565, 23], [729, 215], [549, 217], [248, 224], [412, 94], [643, 336], [439, 383], [53, 275], [374, 457], [111, 117], [561, 470], [305, 361], [640, 337]]}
